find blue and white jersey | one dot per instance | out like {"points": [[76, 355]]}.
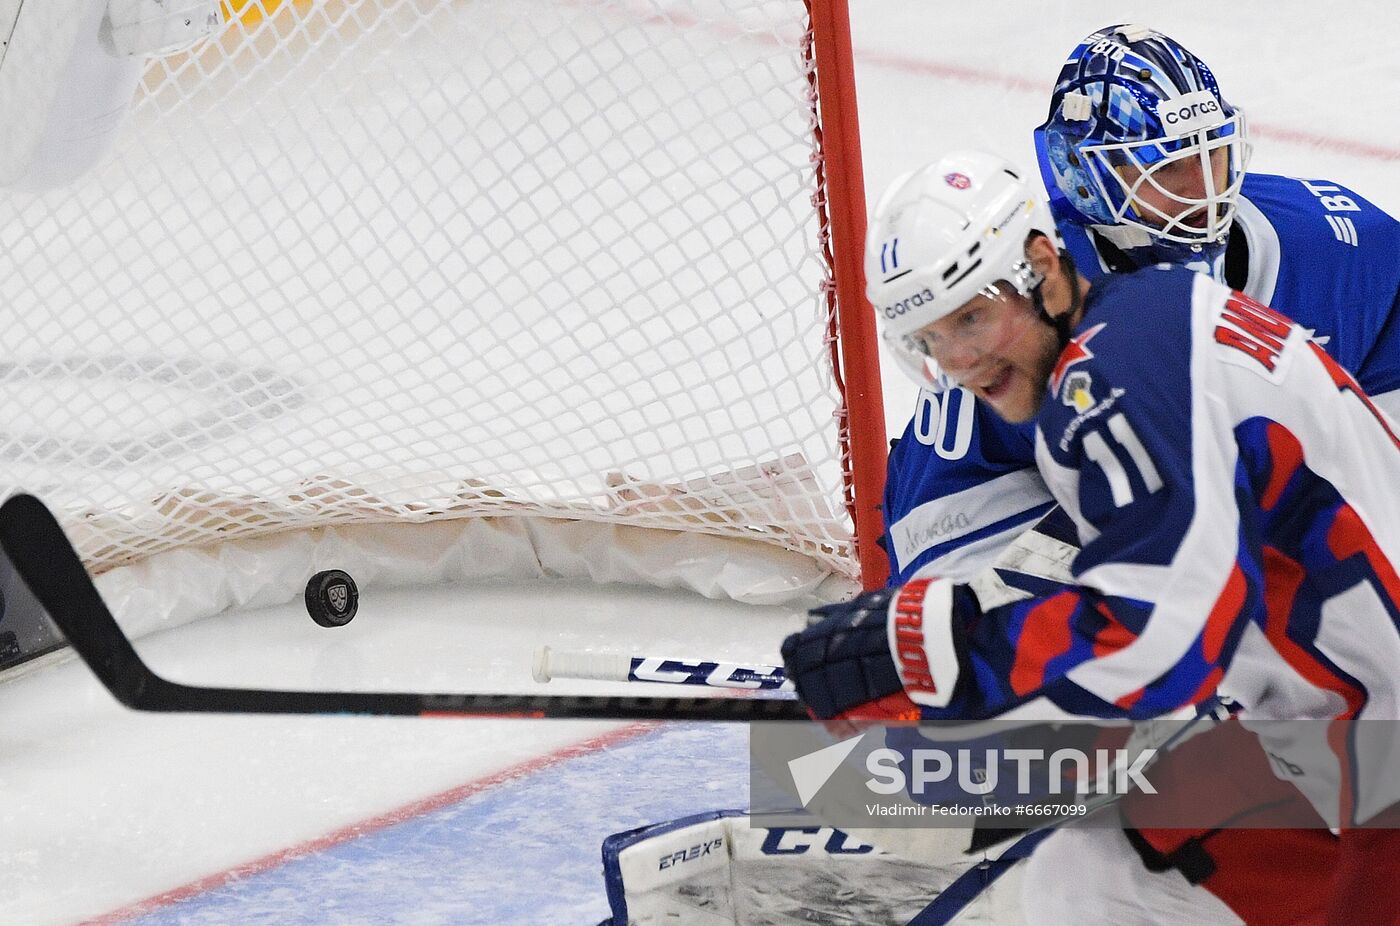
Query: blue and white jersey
{"points": [[1312, 249], [960, 484], [1237, 496]]}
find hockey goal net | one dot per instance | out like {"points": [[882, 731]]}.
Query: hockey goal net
{"points": [[399, 261]]}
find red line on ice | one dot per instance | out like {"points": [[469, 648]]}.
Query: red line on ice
{"points": [[383, 821], [1348, 146], [981, 76]]}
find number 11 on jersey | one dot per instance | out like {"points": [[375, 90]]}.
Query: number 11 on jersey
{"points": [[1118, 482]]}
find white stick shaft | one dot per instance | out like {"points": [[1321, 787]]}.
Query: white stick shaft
{"points": [[551, 664]]}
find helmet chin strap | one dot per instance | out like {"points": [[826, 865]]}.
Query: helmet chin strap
{"points": [[1061, 323]]}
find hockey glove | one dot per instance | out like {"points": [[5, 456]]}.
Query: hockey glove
{"points": [[874, 657]]}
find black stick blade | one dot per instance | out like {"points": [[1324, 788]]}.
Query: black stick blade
{"points": [[45, 560], [41, 555]]}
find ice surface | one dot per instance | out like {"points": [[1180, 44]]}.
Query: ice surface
{"points": [[102, 809]]}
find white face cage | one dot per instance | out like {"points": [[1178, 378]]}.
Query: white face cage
{"points": [[917, 351], [1170, 187]]}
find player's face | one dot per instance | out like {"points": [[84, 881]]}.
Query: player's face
{"points": [[1175, 193], [996, 346]]}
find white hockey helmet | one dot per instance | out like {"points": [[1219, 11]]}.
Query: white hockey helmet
{"points": [[941, 235]]}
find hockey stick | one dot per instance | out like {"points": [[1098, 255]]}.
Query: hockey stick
{"points": [[43, 557], [551, 664]]}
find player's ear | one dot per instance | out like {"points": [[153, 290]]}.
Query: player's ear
{"points": [[1042, 253]]}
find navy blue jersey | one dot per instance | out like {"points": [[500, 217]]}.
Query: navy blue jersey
{"points": [[1312, 249], [1235, 495]]}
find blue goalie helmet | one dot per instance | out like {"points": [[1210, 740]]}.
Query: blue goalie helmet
{"points": [[1139, 139]]}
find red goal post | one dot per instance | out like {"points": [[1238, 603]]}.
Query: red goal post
{"points": [[401, 264], [859, 362]]}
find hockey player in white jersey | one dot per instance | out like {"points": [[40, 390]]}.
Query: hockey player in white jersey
{"points": [[1232, 485]]}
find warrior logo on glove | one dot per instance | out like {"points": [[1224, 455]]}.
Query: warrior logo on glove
{"points": [[909, 638], [880, 656]]}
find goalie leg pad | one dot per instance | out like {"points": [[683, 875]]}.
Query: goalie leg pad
{"points": [[1092, 877], [717, 869]]}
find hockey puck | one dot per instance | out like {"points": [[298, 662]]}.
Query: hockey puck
{"points": [[332, 598]]}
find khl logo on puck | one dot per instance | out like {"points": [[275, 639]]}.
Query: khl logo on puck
{"points": [[332, 598]]}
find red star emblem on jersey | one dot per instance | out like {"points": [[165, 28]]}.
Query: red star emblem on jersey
{"points": [[1075, 351]]}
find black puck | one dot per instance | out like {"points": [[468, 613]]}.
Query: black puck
{"points": [[332, 598]]}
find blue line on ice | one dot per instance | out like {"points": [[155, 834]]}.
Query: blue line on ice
{"points": [[526, 852]]}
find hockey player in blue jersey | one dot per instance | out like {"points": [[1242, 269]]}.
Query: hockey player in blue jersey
{"points": [[1232, 485], [1144, 170], [1138, 176], [1145, 162]]}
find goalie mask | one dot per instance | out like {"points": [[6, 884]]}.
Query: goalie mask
{"points": [[938, 237], [1139, 138]]}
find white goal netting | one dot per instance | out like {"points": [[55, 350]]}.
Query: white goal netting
{"points": [[411, 260]]}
